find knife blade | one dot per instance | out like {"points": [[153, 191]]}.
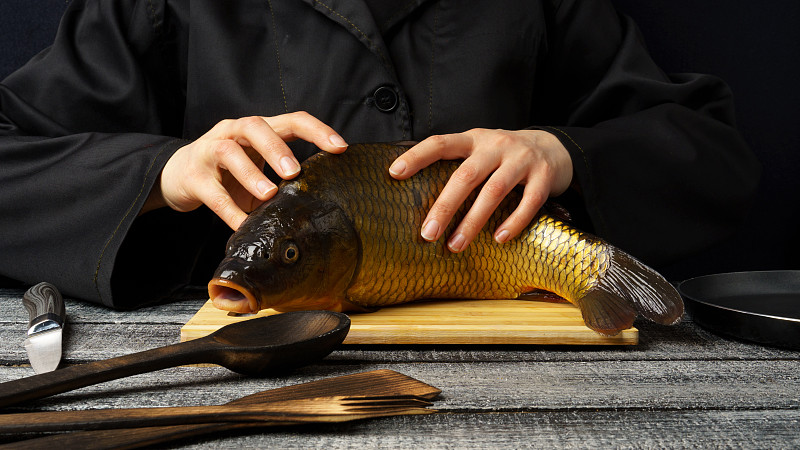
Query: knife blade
{"points": [[47, 315]]}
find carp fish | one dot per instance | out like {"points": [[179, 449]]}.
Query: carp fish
{"points": [[344, 236]]}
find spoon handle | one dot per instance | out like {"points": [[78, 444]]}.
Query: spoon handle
{"points": [[74, 377]]}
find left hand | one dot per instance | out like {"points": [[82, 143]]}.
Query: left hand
{"points": [[223, 168], [501, 158]]}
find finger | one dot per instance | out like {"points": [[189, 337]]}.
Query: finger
{"points": [[430, 150], [302, 125], [246, 201], [214, 195], [489, 198], [232, 157], [255, 132], [534, 197], [461, 183]]}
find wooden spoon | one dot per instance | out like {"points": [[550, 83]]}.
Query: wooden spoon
{"points": [[252, 347]]}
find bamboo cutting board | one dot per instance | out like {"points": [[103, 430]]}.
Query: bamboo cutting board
{"points": [[449, 322]]}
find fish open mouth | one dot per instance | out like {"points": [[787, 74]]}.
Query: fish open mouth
{"points": [[229, 296]]}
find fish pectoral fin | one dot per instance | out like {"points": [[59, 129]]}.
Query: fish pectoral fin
{"points": [[354, 307], [542, 295], [605, 312], [629, 287]]}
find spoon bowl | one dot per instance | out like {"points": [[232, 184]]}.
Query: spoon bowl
{"points": [[260, 346], [285, 341]]}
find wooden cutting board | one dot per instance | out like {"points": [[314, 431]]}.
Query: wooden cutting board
{"points": [[449, 322]]}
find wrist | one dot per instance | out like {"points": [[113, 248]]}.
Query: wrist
{"points": [[155, 199], [557, 157]]}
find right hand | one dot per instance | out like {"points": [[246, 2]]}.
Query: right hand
{"points": [[499, 160], [223, 169]]}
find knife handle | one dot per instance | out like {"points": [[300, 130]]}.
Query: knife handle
{"points": [[44, 303]]}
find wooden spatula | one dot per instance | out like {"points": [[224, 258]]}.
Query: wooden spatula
{"points": [[319, 409], [378, 383]]}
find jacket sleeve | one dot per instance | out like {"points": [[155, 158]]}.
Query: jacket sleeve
{"points": [[658, 162], [84, 134]]}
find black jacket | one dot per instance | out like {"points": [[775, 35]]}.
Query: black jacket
{"points": [[87, 125]]}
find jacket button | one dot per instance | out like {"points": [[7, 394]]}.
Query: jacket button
{"points": [[386, 99]]}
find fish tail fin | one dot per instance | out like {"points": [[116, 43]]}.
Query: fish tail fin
{"points": [[626, 288]]}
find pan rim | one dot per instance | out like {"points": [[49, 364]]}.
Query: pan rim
{"points": [[762, 275], [702, 294]]}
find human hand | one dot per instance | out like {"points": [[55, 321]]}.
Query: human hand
{"points": [[223, 169], [501, 158]]}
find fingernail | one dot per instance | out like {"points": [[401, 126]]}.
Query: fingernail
{"points": [[456, 243], [265, 187], [398, 167], [430, 230], [289, 166], [502, 236], [337, 141]]}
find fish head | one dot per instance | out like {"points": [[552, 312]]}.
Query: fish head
{"points": [[294, 252]]}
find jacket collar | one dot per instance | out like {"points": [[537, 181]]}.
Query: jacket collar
{"points": [[393, 11], [356, 17]]}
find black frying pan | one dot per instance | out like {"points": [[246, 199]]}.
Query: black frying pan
{"points": [[762, 307]]}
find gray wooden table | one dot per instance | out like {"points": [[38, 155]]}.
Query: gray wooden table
{"points": [[680, 387]]}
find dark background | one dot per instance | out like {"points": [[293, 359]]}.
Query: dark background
{"points": [[754, 46]]}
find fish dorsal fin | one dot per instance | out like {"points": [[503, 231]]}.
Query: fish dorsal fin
{"points": [[557, 211], [405, 143]]}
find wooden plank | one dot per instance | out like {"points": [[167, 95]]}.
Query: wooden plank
{"points": [[653, 404], [449, 322], [546, 429], [679, 387], [88, 341], [484, 386], [88, 338], [552, 429], [178, 311]]}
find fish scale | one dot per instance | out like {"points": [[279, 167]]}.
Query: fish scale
{"points": [[485, 269], [345, 234]]}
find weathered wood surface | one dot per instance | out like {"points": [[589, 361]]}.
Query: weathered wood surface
{"points": [[680, 387]]}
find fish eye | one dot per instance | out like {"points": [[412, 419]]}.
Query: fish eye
{"points": [[290, 253]]}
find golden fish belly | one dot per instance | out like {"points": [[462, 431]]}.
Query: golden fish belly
{"points": [[548, 256]]}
